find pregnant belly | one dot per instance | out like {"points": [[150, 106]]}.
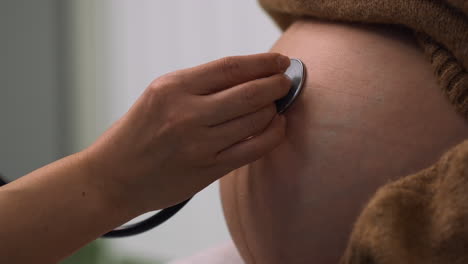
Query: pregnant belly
{"points": [[371, 111]]}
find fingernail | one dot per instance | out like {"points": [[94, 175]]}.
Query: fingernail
{"points": [[283, 62]]}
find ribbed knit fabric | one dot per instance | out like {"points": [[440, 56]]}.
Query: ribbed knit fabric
{"points": [[421, 218]]}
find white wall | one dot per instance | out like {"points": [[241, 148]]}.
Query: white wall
{"points": [[135, 41], [29, 94]]}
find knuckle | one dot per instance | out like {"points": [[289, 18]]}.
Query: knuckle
{"points": [[181, 121], [155, 99], [270, 112], [161, 81], [169, 81], [260, 120], [173, 121], [260, 123], [265, 115], [274, 60], [253, 124], [273, 55], [249, 96], [172, 124], [267, 61], [178, 121], [230, 67], [284, 83], [284, 80]]}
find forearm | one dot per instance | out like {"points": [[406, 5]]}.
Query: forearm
{"points": [[53, 211], [161, 152]]}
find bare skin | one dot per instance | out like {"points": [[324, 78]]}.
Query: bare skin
{"points": [[185, 131], [371, 111]]}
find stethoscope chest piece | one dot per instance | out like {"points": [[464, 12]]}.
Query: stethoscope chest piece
{"points": [[295, 72]]}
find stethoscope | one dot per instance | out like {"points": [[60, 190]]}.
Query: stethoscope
{"points": [[295, 72]]}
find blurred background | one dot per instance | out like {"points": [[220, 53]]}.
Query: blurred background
{"points": [[70, 68]]}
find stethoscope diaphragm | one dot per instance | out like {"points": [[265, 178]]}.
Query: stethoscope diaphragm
{"points": [[295, 72]]}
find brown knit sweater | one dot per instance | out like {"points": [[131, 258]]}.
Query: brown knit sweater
{"points": [[421, 218]]}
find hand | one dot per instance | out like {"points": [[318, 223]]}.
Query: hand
{"points": [[189, 128]]}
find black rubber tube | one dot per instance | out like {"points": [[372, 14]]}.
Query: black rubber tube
{"points": [[145, 225]]}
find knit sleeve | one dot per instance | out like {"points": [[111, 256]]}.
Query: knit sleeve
{"points": [[422, 218]]}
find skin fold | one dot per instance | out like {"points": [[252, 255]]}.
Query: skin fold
{"points": [[370, 112]]}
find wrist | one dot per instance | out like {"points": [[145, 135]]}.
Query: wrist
{"points": [[102, 183]]}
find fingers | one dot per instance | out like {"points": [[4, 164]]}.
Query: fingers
{"points": [[229, 133], [245, 98], [230, 71], [250, 150]]}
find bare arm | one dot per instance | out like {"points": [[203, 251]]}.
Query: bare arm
{"points": [[184, 132], [55, 210]]}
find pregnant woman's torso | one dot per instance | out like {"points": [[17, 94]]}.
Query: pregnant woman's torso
{"points": [[370, 111]]}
